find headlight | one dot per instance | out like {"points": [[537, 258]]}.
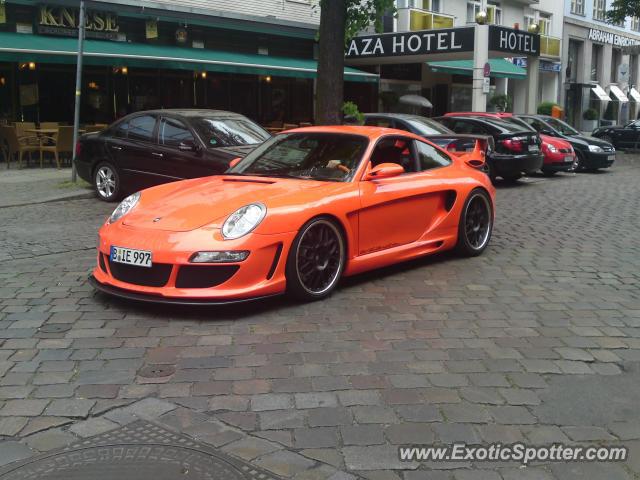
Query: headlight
{"points": [[552, 148], [595, 149], [125, 207], [243, 220]]}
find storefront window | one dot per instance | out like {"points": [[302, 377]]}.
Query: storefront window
{"points": [[596, 56], [573, 60], [616, 60]]}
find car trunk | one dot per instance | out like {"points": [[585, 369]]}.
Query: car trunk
{"points": [[517, 143]]}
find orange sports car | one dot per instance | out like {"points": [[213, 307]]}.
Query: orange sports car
{"points": [[295, 215]]}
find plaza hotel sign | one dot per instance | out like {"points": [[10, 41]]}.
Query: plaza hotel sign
{"points": [[449, 40], [54, 20]]}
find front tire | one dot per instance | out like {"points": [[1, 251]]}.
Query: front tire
{"points": [[106, 182], [476, 224], [316, 260]]}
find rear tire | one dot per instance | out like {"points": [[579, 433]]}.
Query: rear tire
{"points": [[106, 182], [316, 260], [475, 224]]}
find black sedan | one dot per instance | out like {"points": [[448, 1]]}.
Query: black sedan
{"points": [[592, 153], [153, 147], [620, 136], [516, 149]]}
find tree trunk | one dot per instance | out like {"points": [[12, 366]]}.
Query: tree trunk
{"points": [[330, 81]]}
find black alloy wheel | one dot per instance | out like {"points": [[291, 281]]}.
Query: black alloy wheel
{"points": [[476, 224], [316, 260]]}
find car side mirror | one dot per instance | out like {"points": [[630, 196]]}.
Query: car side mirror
{"points": [[188, 146], [234, 162], [384, 170]]}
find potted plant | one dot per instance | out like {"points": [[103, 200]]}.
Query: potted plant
{"points": [[502, 103], [545, 108], [590, 119], [352, 113]]}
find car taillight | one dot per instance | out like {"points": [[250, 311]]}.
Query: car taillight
{"points": [[78, 149], [515, 144]]}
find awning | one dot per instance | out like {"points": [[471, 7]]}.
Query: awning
{"points": [[635, 95], [600, 93], [17, 47], [618, 93], [500, 68]]}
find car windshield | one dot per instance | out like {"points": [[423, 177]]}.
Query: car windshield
{"points": [[229, 132], [427, 126], [562, 127], [520, 123], [312, 156]]}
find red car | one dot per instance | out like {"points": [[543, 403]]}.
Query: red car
{"points": [[559, 155]]}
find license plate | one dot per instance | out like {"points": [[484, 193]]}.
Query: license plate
{"points": [[568, 159], [534, 148], [611, 157], [129, 256]]}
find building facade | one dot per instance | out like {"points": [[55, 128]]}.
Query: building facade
{"points": [[219, 54], [450, 89], [600, 76]]}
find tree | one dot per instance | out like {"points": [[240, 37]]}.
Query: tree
{"points": [[340, 21], [621, 9]]}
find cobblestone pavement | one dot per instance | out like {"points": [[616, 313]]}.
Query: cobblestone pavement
{"points": [[538, 340]]}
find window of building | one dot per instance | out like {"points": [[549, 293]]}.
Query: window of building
{"points": [[173, 132], [494, 12], [596, 58], [430, 157], [616, 60], [573, 60], [577, 7], [633, 69], [141, 128], [431, 5], [545, 23], [635, 24], [599, 10]]}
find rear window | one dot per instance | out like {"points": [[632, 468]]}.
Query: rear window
{"points": [[504, 126], [427, 126]]}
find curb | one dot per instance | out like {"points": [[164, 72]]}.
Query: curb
{"points": [[56, 198]]}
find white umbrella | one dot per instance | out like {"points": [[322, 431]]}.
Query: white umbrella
{"points": [[416, 101]]}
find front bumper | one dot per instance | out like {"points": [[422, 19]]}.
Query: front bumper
{"points": [[173, 279], [597, 160], [514, 164]]}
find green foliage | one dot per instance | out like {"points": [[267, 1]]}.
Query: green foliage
{"points": [[621, 9], [389, 100], [502, 103], [350, 109], [362, 13], [590, 114], [545, 108]]}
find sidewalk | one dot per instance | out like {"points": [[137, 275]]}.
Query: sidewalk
{"points": [[34, 185]]}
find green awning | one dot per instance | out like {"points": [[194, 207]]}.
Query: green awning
{"points": [[500, 68], [17, 47]]}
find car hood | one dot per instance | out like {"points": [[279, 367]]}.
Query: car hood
{"points": [[556, 142], [191, 204], [585, 141]]}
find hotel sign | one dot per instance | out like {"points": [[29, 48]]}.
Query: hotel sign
{"points": [[611, 38], [516, 42], [421, 42], [65, 21]]}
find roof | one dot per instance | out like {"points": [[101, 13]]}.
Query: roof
{"points": [[192, 112], [500, 68]]}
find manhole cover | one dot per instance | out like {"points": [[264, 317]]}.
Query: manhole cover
{"points": [[54, 328], [157, 371], [138, 451]]}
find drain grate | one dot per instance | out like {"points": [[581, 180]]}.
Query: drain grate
{"points": [[157, 371], [137, 451]]}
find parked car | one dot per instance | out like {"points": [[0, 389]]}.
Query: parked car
{"points": [[591, 153], [429, 129], [559, 155], [295, 215], [620, 136], [517, 150], [153, 147]]}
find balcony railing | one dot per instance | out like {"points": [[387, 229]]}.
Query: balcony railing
{"points": [[410, 19], [549, 46]]}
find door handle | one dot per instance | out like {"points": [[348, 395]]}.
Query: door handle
{"points": [[155, 154], [115, 147]]}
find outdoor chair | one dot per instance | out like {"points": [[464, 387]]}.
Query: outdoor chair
{"points": [[21, 131], [14, 146], [63, 144], [50, 125]]}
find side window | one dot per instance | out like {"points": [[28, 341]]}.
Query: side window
{"points": [[173, 132], [468, 128], [394, 150], [121, 130], [379, 122], [141, 128], [430, 157]]}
